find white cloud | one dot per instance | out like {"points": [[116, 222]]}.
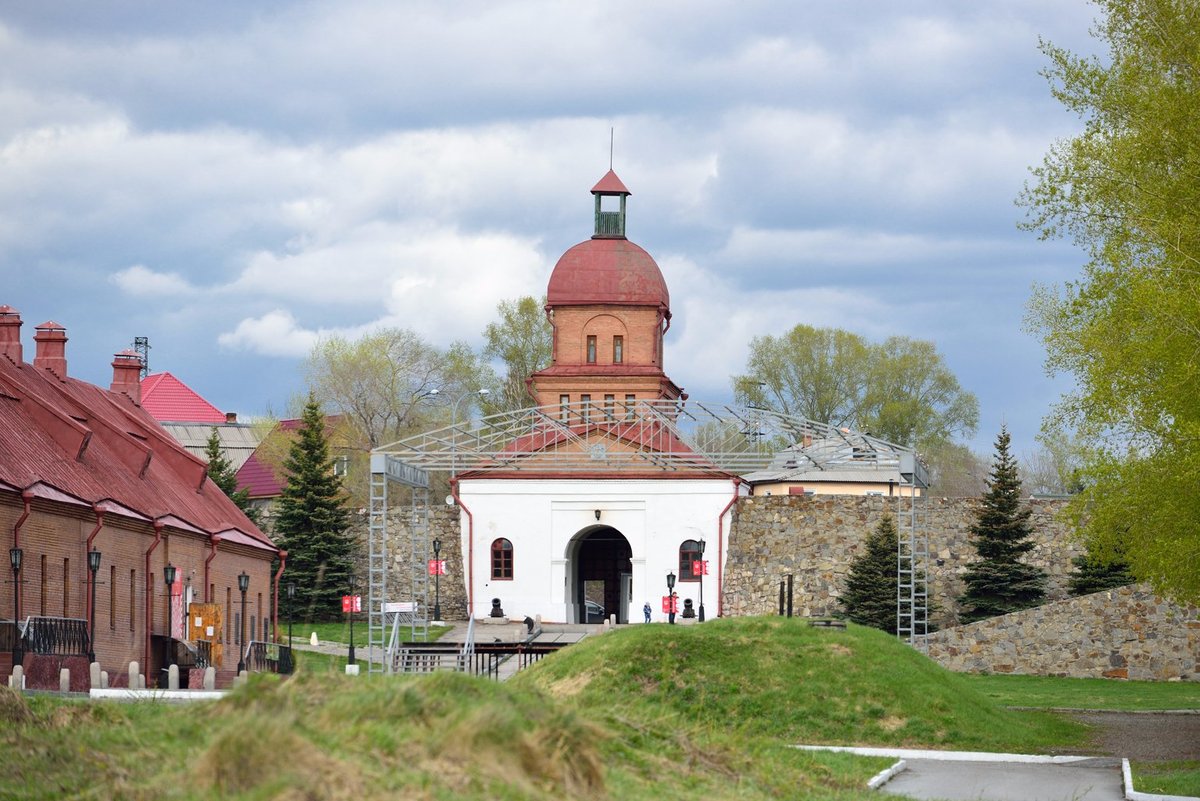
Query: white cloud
{"points": [[141, 281], [275, 333]]}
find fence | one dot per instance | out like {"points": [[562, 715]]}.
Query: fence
{"points": [[57, 636], [269, 657]]}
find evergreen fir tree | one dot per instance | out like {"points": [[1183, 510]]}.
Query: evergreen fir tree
{"points": [[221, 471], [1093, 574], [999, 583], [312, 521], [870, 594]]}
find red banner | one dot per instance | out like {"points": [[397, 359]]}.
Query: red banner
{"points": [[351, 603], [670, 605], [437, 567], [700, 567]]}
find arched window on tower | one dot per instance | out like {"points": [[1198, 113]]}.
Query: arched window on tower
{"points": [[502, 560], [689, 552]]}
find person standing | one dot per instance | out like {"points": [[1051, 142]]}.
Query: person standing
{"points": [[646, 611], [674, 605]]}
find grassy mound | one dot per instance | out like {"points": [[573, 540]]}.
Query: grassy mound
{"points": [[784, 679], [648, 712]]}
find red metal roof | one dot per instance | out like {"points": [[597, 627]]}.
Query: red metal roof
{"points": [[94, 445], [170, 400], [257, 476], [607, 271], [610, 184], [259, 479]]}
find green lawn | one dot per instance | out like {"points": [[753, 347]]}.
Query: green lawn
{"points": [[1050, 692], [340, 632], [1167, 778]]}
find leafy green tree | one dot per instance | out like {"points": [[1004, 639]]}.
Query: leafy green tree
{"points": [[869, 597], [1126, 190], [900, 390], [221, 471], [389, 383], [998, 582], [312, 521], [523, 340]]}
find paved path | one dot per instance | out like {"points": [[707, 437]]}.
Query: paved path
{"points": [[1093, 780]]}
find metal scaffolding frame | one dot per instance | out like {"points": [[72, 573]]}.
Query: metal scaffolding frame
{"points": [[647, 436], [386, 470]]}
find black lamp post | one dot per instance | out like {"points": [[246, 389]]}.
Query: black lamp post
{"points": [[351, 659], [94, 567], [701, 547], [437, 584], [243, 585], [291, 596], [671, 598], [169, 579], [14, 558]]}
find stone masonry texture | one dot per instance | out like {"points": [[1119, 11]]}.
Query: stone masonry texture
{"points": [[816, 537], [1126, 633]]}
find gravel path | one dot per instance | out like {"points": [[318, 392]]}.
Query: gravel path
{"points": [[1144, 735]]}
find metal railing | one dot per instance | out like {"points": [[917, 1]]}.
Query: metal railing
{"points": [[269, 657], [9, 636], [59, 636], [483, 660]]}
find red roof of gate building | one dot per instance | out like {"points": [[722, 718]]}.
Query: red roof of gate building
{"points": [[74, 442], [170, 400]]}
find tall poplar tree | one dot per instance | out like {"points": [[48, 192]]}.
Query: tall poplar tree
{"points": [[221, 471], [999, 582], [871, 587], [312, 521], [1127, 330]]}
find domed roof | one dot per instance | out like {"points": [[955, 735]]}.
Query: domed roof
{"points": [[605, 270]]}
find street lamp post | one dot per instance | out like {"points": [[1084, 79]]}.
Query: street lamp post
{"points": [[243, 585], [169, 580], [291, 596], [351, 660], [437, 584], [94, 567], [482, 393], [14, 559], [701, 547], [671, 598]]}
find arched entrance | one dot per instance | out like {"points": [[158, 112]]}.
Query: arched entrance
{"points": [[602, 570]]}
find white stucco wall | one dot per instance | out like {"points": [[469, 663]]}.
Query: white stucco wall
{"points": [[543, 517]]}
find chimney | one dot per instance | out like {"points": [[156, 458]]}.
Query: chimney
{"points": [[127, 375], [10, 334], [230, 417], [51, 354]]}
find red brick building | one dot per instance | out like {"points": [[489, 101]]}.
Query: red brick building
{"points": [[84, 468]]}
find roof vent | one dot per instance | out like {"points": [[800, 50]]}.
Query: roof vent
{"points": [[51, 353], [10, 334], [127, 372]]}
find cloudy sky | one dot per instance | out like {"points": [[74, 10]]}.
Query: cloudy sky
{"points": [[234, 180]]}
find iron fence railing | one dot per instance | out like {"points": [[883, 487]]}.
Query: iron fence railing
{"points": [[483, 660], [269, 657], [9, 636], [59, 636]]}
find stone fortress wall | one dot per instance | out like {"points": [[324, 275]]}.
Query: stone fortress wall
{"points": [[816, 537], [1126, 633]]}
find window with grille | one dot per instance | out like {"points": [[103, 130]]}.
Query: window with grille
{"points": [[689, 552], [502, 560]]}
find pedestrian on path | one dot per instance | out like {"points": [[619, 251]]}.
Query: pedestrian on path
{"points": [[646, 611]]}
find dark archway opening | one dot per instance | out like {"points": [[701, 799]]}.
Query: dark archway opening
{"points": [[603, 570]]}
